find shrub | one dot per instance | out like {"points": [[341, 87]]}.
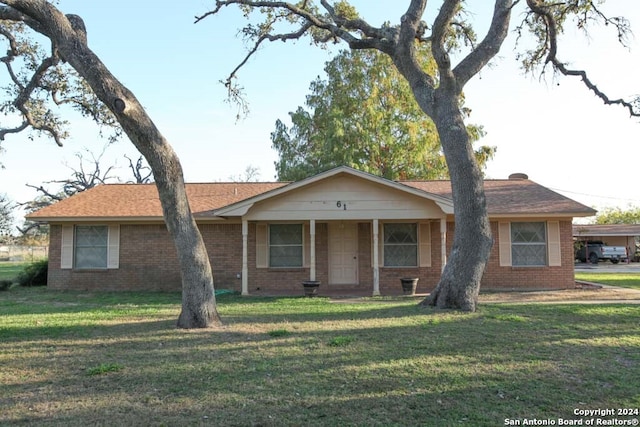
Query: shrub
{"points": [[34, 274]]}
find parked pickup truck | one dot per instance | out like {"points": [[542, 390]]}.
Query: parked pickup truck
{"points": [[597, 251]]}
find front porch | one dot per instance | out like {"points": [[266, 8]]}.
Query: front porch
{"points": [[361, 257]]}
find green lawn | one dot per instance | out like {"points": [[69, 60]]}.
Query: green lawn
{"points": [[9, 270], [628, 280], [76, 359]]}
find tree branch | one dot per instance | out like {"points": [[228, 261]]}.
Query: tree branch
{"points": [[550, 22], [137, 170], [45, 192], [336, 26], [439, 32], [488, 47]]}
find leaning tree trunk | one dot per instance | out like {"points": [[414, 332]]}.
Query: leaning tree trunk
{"points": [[459, 284], [68, 36]]}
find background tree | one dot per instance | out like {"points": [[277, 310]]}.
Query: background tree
{"points": [[363, 115], [439, 92], [6, 217], [70, 73], [251, 174], [631, 215], [142, 173], [89, 172]]}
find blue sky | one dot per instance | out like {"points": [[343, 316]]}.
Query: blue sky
{"points": [[555, 131]]}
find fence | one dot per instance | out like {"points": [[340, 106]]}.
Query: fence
{"points": [[23, 253]]}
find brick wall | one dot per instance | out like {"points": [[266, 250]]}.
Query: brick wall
{"points": [[148, 261], [532, 278]]}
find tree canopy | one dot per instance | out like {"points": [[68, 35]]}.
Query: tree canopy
{"points": [[363, 115], [40, 83], [631, 215]]}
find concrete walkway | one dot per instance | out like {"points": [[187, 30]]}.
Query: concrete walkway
{"points": [[607, 267]]}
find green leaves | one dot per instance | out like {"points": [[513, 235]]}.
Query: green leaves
{"points": [[619, 216], [38, 84], [364, 115]]}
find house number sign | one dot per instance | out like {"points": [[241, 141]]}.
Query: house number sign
{"points": [[342, 205]]}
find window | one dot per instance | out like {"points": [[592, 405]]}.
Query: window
{"points": [[285, 245], [91, 244], [400, 245], [528, 244]]}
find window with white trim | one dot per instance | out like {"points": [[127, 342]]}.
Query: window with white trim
{"points": [[285, 245], [91, 246], [528, 244], [400, 245]]}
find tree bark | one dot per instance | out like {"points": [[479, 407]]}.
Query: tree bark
{"points": [[68, 37], [459, 284]]}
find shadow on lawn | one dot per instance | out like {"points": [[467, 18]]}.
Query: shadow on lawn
{"points": [[436, 369]]}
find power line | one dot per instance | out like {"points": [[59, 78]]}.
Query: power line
{"points": [[595, 196]]}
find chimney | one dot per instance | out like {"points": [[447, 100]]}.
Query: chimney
{"points": [[518, 175]]}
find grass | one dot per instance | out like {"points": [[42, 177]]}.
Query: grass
{"points": [[72, 359], [9, 270], [624, 280], [104, 368]]}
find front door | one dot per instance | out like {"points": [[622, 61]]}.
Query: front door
{"points": [[343, 253]]}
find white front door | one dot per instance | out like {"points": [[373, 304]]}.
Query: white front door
{"points": [[343, 253]]}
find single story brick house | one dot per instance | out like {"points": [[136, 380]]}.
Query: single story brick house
{"points": [[354, 232]]}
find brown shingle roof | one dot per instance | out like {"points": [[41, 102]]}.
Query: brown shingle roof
{"points": [[513, 197], [140, 201]]}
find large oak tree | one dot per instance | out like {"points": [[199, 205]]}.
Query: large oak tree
{"points": [[38, 79], [437, 92]]}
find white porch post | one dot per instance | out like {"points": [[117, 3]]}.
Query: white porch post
{"points": [[312, 250], [376, 270], [245, 257], [443, 240]]}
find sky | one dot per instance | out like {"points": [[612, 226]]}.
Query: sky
{"points": [[554, 130]]}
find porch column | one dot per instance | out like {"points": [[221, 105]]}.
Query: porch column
{"points": [[376, 270], [312, 249], [245, 257], [443, 241]]}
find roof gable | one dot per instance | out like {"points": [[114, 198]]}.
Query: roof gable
{"points": [[241, 208]]}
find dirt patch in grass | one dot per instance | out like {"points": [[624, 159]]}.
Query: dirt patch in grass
{"points": [[582, 292]]}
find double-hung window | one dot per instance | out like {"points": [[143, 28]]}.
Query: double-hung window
{"points": [[400, 245], [528, 244], [285, 245], [91, 246]]}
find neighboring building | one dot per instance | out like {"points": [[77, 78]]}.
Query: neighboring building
{"points": [[354, 232], [627, 235]]}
